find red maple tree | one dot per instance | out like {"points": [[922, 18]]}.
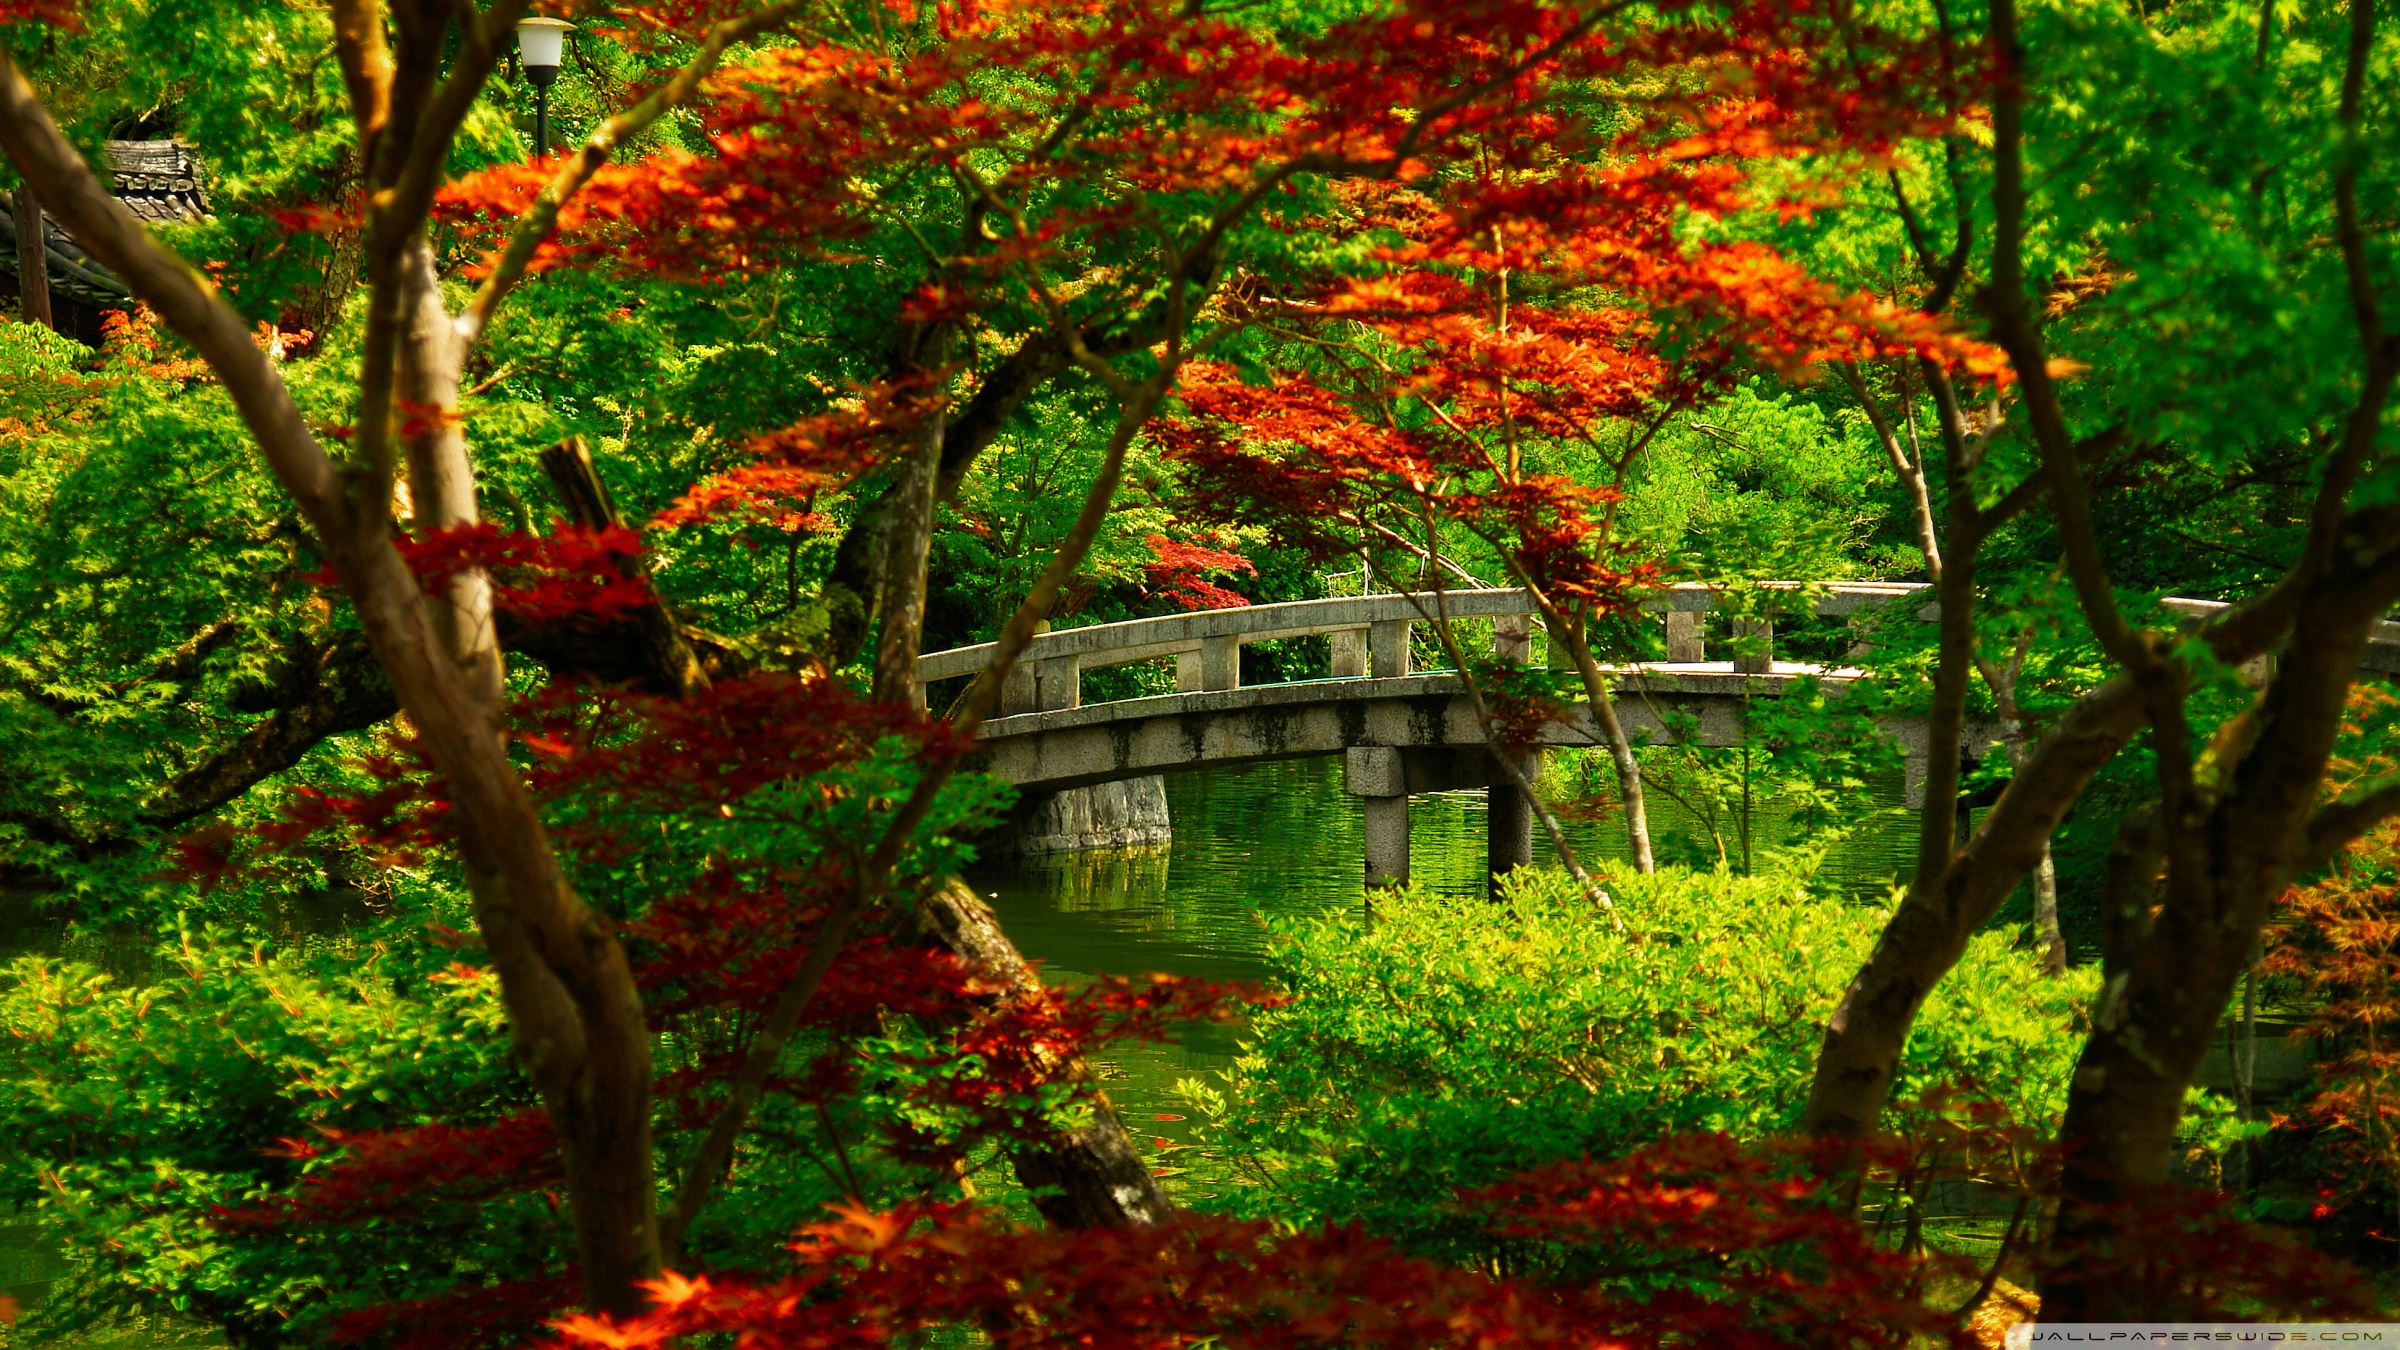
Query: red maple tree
{"points": [[1128, 183]]}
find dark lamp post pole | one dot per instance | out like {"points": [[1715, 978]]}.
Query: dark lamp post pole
{"points": [[540, 44]]}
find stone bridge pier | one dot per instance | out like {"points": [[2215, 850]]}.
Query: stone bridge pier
{"points": [[1384, 776]]}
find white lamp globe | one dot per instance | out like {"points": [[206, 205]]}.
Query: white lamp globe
{"points": [[540, 45]]}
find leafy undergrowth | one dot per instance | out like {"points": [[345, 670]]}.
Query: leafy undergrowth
{"points": [[1447, 1043]]}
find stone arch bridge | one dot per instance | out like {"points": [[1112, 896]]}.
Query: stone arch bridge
{"points": [[1090, 772]]}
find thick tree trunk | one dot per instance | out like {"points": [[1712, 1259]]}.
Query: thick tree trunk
{"points": [[908, 536], [2148, 1036], [33, 266], [575, 1011], [2226, 861], [441, 478], [1094, 1177], [1929, 931]]}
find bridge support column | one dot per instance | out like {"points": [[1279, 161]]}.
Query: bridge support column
{"points": [[1378, 775], [1129, 813], [1508, 818], [1387, 841], [1389, 640]]}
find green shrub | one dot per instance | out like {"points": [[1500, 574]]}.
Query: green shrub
{"points": [[1446, 1043], [130, 1115]]}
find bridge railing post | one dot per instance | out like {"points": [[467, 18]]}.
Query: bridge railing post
{"points": [[1685, 645], [1754, 649], [1388, 640], [1061, 681], [1221, 662], [1349, 653], [1021, 692], [1512, 639]]}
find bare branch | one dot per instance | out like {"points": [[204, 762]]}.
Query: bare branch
{"points": [[1912, 473]]}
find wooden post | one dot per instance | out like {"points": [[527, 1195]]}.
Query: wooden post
{"points": [[33, 269]]}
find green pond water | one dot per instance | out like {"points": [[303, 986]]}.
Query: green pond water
{"points": [[1263, 841], [1251, 844]]}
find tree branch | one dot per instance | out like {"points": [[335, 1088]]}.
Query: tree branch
{"points": [[366, 68], [188, 303], [536, 224], [708, 1164], [2017, 500], [2334, 826], [2013, 327], [1912, 474]]}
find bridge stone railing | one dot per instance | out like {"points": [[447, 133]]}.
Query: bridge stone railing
{"points": [[1370, 636]]}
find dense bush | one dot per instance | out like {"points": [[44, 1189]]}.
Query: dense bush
{"points": [[132, 1114], [1445, 1043]]}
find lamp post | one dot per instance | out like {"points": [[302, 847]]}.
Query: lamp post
{"points": [[540, 43]]}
